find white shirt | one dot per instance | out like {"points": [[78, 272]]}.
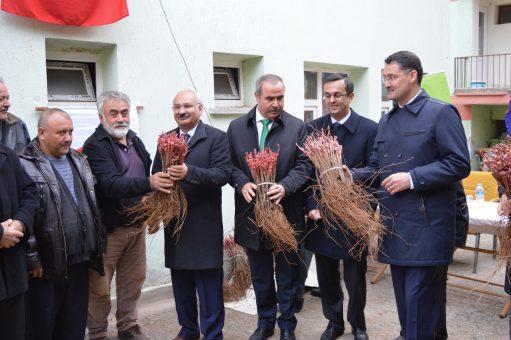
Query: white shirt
{"points": [[342, 121], [411, 100], [190, 133], [259, 124]]}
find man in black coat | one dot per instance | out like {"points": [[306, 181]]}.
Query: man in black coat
{"points": [[121, 164], [195, 256], [268, 125], [18, 204], [356, 135], [419, 155]]}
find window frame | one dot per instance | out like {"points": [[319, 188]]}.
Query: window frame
{"points": [[318, 103], [73, 65], [230, 102], [499, 15]]}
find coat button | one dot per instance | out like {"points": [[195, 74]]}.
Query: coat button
{"points": [[386, 155], [399, 156], [421, 181], [396, 213]]}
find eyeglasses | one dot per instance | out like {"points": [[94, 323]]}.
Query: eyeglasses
{"points": [[393, 77], [178, 107], [336, 95]]}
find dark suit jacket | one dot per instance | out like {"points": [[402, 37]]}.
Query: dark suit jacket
{"points": [[200, 244], [18, 201], [425, 138], [293, 172], [112, 187], [356, 136]]}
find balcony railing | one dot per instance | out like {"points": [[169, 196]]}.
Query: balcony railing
{"points": [[487, 72]]}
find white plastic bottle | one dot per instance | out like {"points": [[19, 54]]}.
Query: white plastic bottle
{"points": [[479, 192]]}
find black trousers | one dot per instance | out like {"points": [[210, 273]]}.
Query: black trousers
{"points": [[332, 297], [12, 318], [57, 309], [207, 284], [441, 324], [287, 271], [305, 261]]}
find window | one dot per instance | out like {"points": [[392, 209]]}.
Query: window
{"points": [[311, 85], [386, 104], [504, 14], [70, 81], [226, 83], [308, 114]]}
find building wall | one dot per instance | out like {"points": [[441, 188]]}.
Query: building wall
{"points": [[137, 55], [498, 35]]}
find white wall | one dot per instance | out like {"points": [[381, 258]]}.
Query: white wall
{"points": [[499, 36], [141, 59]]}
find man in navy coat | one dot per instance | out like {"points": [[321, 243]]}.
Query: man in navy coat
{"points": [[419, 155], [356, 135], [268, 125], [195, 258]]}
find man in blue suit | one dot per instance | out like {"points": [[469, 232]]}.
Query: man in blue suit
{"points": [[330, 244], [419, 155]]}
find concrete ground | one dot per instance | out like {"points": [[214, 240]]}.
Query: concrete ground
{"points": [[470, 315]]}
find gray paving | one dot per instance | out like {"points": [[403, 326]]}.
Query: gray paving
{"points": [[470, 315]]}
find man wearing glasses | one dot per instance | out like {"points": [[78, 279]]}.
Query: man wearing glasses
{"points": [[356, 135], [195, 256], [420, 154]]}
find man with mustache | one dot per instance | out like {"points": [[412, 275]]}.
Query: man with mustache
{"points": [[268, 125], [330, 245], [121, 163], [67, 236], [195, 257], [13, 131], [419, 156]]}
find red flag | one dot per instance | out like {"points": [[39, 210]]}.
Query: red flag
{"points": [[69, 12]]}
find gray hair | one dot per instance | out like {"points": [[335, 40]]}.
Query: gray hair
{"points": [[2, 81], [271, 78], [43, 118], [108, 95]]}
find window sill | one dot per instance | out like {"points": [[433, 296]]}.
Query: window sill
{"points": [[229, 110]]}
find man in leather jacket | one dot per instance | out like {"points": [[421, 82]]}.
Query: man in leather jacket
{"points": [[67, 235]]}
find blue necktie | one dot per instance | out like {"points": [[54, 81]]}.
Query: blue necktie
{"points": [[335, 126]]}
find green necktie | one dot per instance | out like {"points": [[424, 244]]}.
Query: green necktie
{"points": [[264, 133]]}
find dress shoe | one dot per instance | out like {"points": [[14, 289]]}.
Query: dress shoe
{"points": [[132, 333], [331, 333], [261, 334], [286, 334], [298, 306], [315, 292], [359, 333]]}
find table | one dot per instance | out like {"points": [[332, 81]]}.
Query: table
{"points": [[484, 218]]}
